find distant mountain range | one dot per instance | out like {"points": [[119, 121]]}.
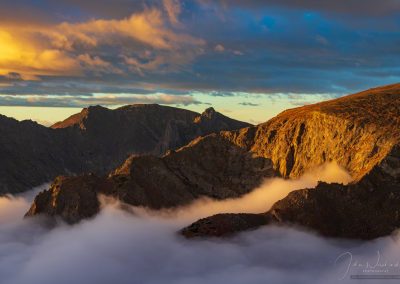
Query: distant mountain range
{"points": [[361, 132], [96, 140]]}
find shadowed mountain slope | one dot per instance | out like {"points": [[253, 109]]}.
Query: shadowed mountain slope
{"points": [[209, 166], [96, 140]]}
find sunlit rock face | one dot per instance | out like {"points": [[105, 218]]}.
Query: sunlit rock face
{"points": [[96, 140], [356, 131]]}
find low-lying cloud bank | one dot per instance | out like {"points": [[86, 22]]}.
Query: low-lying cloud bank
{"points": [[259, 200], [119, 247]]}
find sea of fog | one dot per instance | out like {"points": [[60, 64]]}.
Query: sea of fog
{"points": [[119, 247]]}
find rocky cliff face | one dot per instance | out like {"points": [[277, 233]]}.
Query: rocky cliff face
{"points": [[357, 131], [366, 210], [96, 140], [210, 166]]}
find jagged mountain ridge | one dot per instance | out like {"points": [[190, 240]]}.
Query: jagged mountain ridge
{"points": [[145, 128], [141, 129], [96, 140]]}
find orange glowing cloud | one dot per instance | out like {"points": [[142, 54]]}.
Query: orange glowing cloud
{"points": [[142, 42], [147, 27], [22, 56]]}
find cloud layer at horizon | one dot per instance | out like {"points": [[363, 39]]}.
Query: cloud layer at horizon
{"points": [[178, 47]]}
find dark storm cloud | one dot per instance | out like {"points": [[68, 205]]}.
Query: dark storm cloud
{"points": [[49, 11], [356, 7]]}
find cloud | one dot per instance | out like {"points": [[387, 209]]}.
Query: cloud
{"points": [[21, 56], [147, 27], [73, 48], [118, 247], [248, 104], [237, 52], [221, 94], [304, 99], [105, 100], [354, 7], [173, 8], [260, 199], [219, 48], [97, 65], [322, 40]]}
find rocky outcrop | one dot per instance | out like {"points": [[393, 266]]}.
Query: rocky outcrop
{"points": [[71, 198], [221, 225], [367, 209], [96, 140], [210, 166]]}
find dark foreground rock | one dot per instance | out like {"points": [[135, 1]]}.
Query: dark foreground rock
{"points": [[70, 199], [366, 210], [224, 225]]}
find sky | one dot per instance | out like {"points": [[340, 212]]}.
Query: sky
{"points": [[248, 59]]}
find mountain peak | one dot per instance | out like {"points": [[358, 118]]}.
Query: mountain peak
{"points": [[209, 112], [211, 118], [95, 108]]}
